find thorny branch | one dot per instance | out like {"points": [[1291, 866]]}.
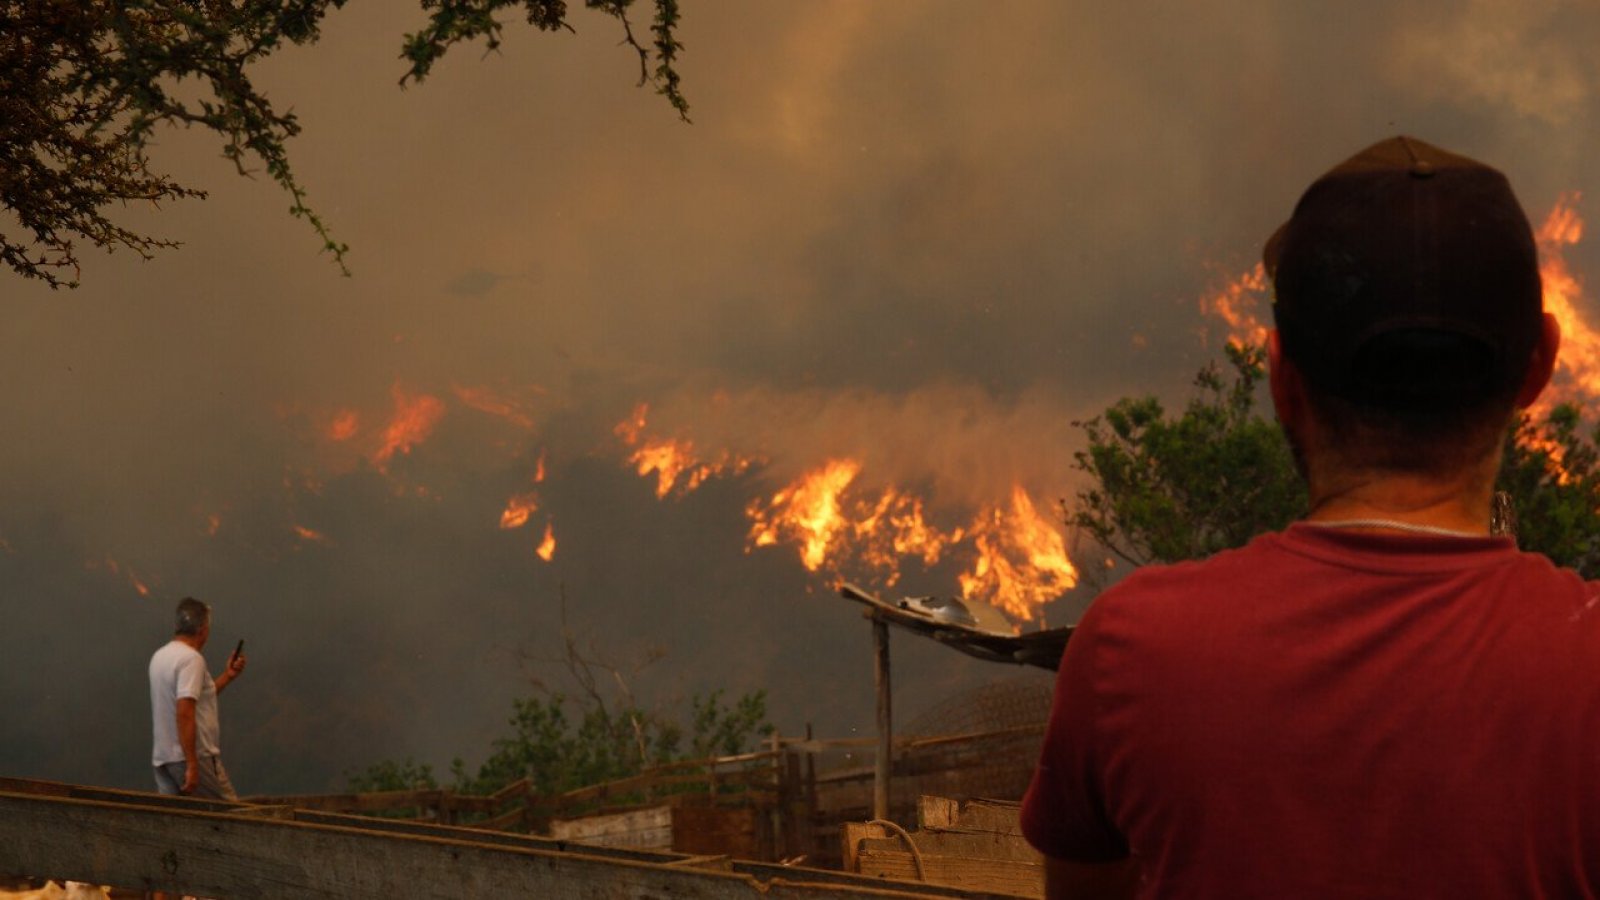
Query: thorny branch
{"points": [[85, 83]]}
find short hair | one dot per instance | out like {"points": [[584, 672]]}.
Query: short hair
{"points": [[1454, 430], [193, 615]]}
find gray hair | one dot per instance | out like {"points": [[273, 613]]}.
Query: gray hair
{"points": [[192, 616]]}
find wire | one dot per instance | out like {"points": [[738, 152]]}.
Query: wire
{"points": [[916, 855]]}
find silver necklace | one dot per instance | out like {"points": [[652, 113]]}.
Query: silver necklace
{"points": [[1408, 527]]}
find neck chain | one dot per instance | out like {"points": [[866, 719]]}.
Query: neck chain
{"points": [[1408, 527]]}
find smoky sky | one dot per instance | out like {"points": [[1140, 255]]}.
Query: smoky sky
{"points": [[925, 235]]}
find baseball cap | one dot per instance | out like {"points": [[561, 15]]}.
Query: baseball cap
{"points": [[1407, 277]]}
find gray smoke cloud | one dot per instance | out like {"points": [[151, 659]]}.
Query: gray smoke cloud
{"points": [[926, 236]]}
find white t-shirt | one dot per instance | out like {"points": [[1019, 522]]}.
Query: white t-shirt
{"points": [[178, 670]]}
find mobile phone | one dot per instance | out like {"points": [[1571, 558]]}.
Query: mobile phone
{"points": [[238, 650]]}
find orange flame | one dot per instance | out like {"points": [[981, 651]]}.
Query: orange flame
{"points": [[1578, 362], [413, 420], [309, 534], [111, 565], [518, 509], [1238, 304], [807, 512], [213, 524], [345, 424], [672, 459], [485, 400], [1022, 559], [547, 547]]}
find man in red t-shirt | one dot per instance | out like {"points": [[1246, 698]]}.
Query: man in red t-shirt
{"points": [[1382, 700]]}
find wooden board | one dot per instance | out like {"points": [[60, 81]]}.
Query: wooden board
{"points": [[645, 829], [1014, 877], [738, 832], [990, 816]]}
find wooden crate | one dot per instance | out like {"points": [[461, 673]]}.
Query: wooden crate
{"points": [[975, 845]]}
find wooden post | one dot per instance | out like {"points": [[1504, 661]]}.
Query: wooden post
{"points": [[880, 671]]}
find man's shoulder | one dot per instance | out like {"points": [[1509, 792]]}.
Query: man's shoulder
{"points": [[1159, 581], [174, 653]]}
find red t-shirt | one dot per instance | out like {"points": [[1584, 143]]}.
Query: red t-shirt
{"points": [[1333, 714]]}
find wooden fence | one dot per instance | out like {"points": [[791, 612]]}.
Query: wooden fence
{"points": [[803, 789]]}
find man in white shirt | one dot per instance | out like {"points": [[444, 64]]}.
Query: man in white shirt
{"points": [[187, 752]]}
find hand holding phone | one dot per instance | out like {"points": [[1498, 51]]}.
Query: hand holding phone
{"points": [[236, 661]]}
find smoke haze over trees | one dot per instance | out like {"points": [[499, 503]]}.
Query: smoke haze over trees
{"points": [[899, 233]]}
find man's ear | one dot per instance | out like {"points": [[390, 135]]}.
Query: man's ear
{"points": [[1288, 398], [1542, 364]]}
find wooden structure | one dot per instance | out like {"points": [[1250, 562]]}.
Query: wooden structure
{"points": [[976, 845], [1034, 648], [207, 848], [984, 640], [789, 802]]}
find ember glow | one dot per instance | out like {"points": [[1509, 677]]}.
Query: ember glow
{"points": [[345, 424], [115, 568], [310, 535]]}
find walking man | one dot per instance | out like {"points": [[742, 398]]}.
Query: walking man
{"points": [[183, 703], [1382, 700]]}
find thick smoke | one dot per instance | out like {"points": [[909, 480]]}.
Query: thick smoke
{"points": [[926, 235]]}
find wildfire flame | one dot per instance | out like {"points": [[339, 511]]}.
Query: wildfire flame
{"points": [[112, 566], [1238, 303], [1578, 362], [414, 417], [1022, 559], [672, 459], [1577, 365], [807, 512], [518, 509], [547, 547], [344, 426], [485, 400], [310, 534]]}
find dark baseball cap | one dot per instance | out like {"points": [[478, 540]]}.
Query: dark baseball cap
{"points": [[1407, 277]]}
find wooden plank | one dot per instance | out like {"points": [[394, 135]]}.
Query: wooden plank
{"points": [[937, 812], [1001, 817], [649, 828], [852, 835], [740, 832], [1014, 877], [968, 845], [374, 801], [222, 855]]}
